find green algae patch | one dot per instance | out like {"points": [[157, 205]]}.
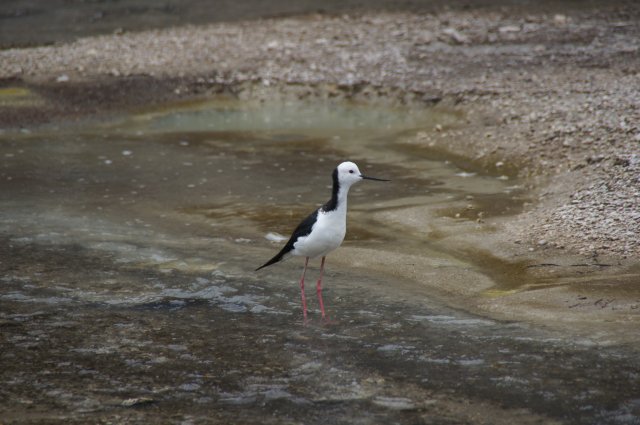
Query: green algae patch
{"points": [[19, 97]]}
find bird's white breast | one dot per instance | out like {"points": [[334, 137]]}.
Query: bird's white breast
{"points": [[326, 234]]}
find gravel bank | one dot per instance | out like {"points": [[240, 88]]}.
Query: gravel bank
{"points": [[556, 95]]}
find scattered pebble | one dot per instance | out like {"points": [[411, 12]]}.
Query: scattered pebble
{"points": [[509, 29], [455, 36], [560, 19], [395, 403], [131, 402]]}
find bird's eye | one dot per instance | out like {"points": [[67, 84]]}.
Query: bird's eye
{"points": [[351, 171]]}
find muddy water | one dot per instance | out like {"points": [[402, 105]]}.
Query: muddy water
{"points": [[128, 293]]}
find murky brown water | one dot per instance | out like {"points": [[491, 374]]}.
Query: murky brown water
{"points": [[128, 292]]}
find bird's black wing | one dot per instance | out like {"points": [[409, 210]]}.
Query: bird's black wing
{"points": [[303, 229]]}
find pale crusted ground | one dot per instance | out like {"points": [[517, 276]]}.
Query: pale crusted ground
{"points": [[555, 95]]}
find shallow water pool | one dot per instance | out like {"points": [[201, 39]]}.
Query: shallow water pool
{"points": [[128, 292]]}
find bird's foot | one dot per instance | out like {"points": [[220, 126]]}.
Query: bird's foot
{"points": [[326, 321]]}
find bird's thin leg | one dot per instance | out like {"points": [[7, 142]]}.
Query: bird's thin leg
{"points": [[319, 288], [304, 299]]}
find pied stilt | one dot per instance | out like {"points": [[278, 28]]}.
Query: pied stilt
{"points": [[323, 230]]}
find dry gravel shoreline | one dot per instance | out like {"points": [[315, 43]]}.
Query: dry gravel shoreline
{"points": [[557, 95]]}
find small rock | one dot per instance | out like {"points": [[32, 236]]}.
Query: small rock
{"points": [[137, 401], [455, 36], [509, 29], [425, 37], [624, 162], [560, 19], [394, 403], [62, 78], [594, 159]]}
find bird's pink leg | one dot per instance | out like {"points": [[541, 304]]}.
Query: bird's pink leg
{"points": [[304, 299], [319, 288]]}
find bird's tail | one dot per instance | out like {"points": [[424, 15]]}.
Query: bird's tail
{"points": [[278, 257]]}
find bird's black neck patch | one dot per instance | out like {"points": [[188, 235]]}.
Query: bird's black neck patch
{"points": [[333, 202]]}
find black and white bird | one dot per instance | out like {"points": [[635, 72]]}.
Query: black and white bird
{"points": [[324, 229]]}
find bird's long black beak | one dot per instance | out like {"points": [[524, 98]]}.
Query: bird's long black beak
{"points": [[374, 178]]}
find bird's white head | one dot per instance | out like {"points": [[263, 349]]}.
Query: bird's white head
{"points": [[348, 173]]}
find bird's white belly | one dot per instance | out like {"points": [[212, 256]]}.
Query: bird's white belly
{"points": [[326, 235]]}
